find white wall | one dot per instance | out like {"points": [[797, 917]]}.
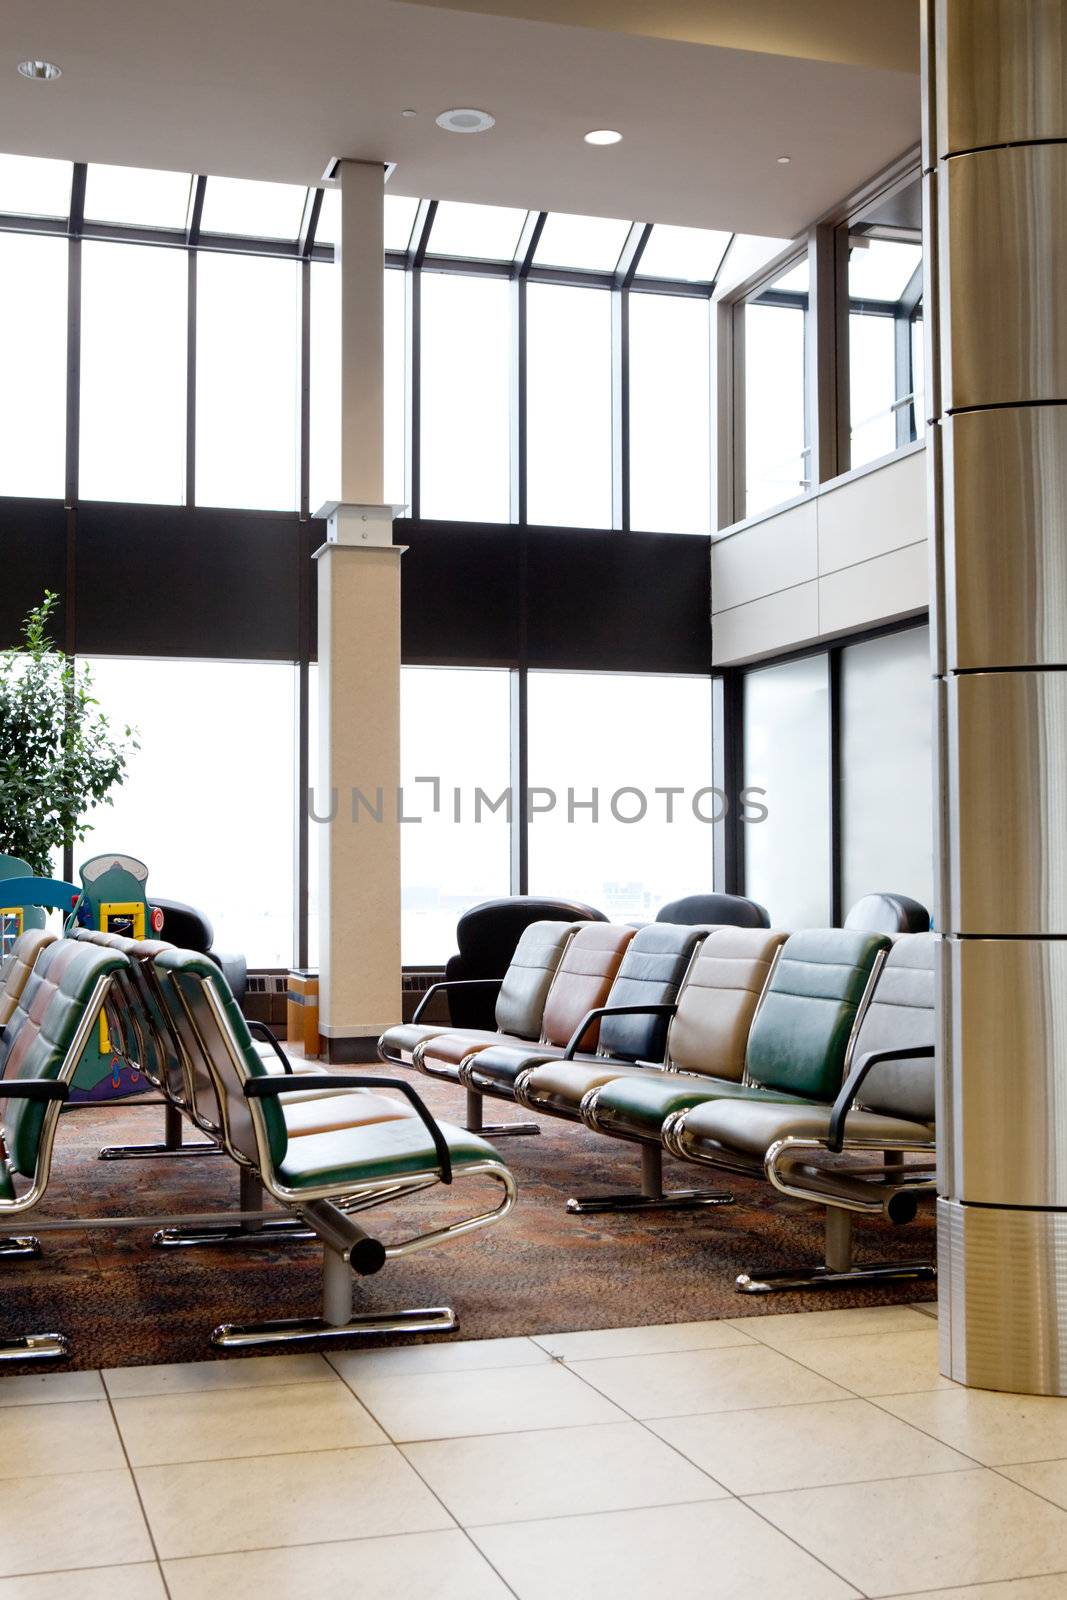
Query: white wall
{"points": [[851, 556]]}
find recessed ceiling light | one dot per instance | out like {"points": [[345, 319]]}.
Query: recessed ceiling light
{"points": [[408, 112], [465, 119], [783, 161], [603, 136], [42, 71]]}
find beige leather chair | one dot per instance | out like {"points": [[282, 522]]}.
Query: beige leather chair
{"points": [[16, 970]]}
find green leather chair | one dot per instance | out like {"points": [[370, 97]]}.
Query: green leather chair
{"points": [[884, 1109], [322, 1178], [40, 1049]]}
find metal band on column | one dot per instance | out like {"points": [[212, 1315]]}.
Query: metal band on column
{"points": [[996, 159]]}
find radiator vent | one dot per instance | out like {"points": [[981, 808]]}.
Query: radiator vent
{"points": [[419, 982]]}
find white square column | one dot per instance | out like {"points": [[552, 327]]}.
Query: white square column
{"points": [[359, 668]]}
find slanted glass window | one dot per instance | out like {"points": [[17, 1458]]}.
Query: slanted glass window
{"points": [[395, 387], [133, 365], [398, 219], [747, 253], [886, 765], [33, 337], [670, 414], [568, 388], [478, 232], [137, 196], [247, 382], [466, 397], [35, 186], [777, 458], [591, 244], [884, 288], [454, 726], [623, 739], [787, 755], [690, 254], [226, 845], [249, 207]]}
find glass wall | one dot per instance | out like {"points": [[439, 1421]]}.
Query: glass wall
{"points": [[887, 767], [670, 414], [33, 335], [209, 799], [466, 398], [884, 286], [787, 755], [605, 752], [777, 458], [568, 400]]}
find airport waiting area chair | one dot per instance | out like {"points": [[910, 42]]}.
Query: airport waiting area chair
{"points": [[17, 967], [883, 1112], [712, 910], [888, 913], [486, 938]]}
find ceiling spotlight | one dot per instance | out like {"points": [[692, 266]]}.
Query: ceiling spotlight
{"points": [[465, 119], [42, 71], [409, 112], [783, 161], [603, 136]]}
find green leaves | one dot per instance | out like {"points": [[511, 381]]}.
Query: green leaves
{"points": [[58, 754]]}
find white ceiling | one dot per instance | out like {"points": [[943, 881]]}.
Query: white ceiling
{"points": [[273, 89]]}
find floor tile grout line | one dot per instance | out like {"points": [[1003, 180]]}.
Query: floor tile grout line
{"points": [[140, 1501], [876, 1401], [811, 1554], [1027, 1488]]}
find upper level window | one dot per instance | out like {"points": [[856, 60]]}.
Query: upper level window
{"points": [[690, 254], [398, 219], [137, 196], [33, 336], [589, 244], [246, 206], [466, 393], [568, 390], [777, 455], [35, 186], [670, 414], [487, 232], [885, 295]]}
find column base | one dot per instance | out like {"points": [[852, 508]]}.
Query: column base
{"points": [[1002, 1297]]}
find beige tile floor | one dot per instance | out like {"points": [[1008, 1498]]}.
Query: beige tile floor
{"points": [[811, 1456]]}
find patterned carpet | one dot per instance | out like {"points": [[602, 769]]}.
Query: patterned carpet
{"points": [[122, 1302]]}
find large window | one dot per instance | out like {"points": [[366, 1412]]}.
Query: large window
{"points": [[887, 767], [454, 728], [777, 459], [33, 333], [208, 802], [787, 755], [670, 414], [466, 393], [568, 387], [619, 742], [247, 382], [133, 363], [885, 379]]}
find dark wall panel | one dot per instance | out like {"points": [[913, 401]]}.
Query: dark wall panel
{"points": [[622, 602], [461, 593], [33, 542], [159, 580]]}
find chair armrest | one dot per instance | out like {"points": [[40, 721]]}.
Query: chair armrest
{"points": [[261, 1088], [453, 983], [259, 1030], [843, 1104], [35, 1089], [612, 1011]]}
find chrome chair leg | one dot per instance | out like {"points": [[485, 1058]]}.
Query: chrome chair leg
{"points": [[35, 1347], [172, 1145], [23, 1247], [837, 1267], [652, 1196], [493, 1130], [245, 1230]]}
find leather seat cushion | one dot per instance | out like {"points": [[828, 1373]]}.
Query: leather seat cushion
{"points": [[651, 973], [583, 981], [375, 1153], [711, 1029], [639, 1105], [501, 1064], [396, 1044], [18, 966], [750, 1129], [560, 1086], [445, 1051], [520, 1005], [344, 1108]]}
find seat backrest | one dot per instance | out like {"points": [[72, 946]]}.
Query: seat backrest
{"points": [[714, 910], [652, 971], [487, 937], [520, 1004], [194, 983], [47, 1033], [18, 966], [185, 926], [135, 1016], [799, 1042], [718, 1001], [901, 1014], [583, 980], [888, 913]]}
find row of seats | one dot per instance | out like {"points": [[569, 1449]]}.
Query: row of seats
{"points": [[739, 1048], [322, 1146]]}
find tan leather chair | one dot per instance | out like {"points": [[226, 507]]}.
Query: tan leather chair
{"points": [[16, 970]]}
